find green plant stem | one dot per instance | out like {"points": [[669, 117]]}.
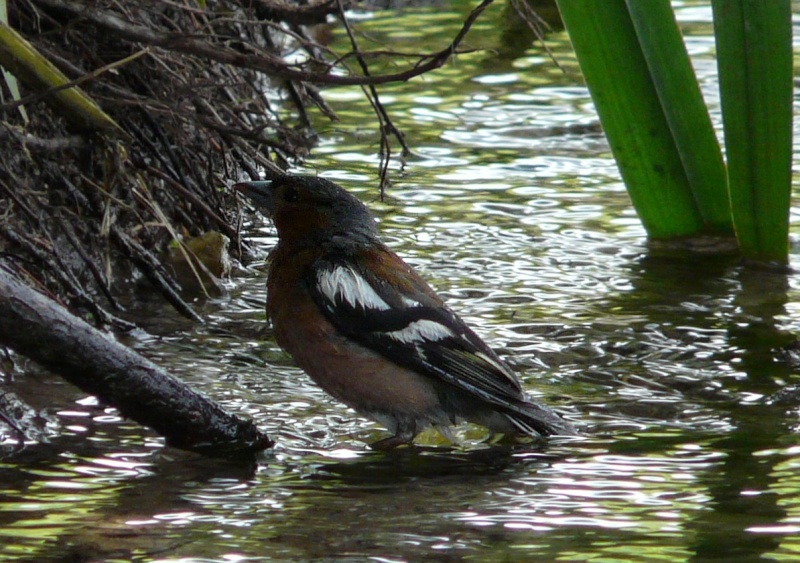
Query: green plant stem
{"points": [[616, 72], [684, 108], [754, 55]]}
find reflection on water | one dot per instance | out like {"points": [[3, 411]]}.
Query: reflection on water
{"points": [[512, 207]]}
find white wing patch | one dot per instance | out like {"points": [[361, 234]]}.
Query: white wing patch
{"points": [[421, 331], [344, 282]]}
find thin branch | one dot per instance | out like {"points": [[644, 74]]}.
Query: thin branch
{"points": [[537, 25], [192, 198], [99, 278], [151, 268], [383, 116], [64, 276]]}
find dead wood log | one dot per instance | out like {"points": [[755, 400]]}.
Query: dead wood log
{"points": [[42, 330]]}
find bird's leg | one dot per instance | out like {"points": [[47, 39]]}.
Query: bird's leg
{"points": [[402, 438]]}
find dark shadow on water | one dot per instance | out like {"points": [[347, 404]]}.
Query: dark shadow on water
{"points": [[712, 293], [744, 493], [379, 470]]}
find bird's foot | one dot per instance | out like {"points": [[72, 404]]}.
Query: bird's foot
{"points": [[390, 443]]}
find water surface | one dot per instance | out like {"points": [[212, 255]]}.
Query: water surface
{"points": [[679, 369]]}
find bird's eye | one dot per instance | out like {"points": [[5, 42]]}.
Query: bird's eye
{"points": [[290, 194]]}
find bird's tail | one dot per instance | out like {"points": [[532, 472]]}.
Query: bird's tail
{"points": [[534, 419]]}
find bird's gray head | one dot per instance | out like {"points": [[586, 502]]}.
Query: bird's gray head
{"points": [[310, 210]]}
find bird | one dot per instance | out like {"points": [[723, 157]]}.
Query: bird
{"points": [[370, 331]]}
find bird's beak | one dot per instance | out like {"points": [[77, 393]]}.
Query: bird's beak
{"points": [[260, 193]]}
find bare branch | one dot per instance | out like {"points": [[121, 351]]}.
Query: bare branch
{"points": [[261, 61], [93, 361]]}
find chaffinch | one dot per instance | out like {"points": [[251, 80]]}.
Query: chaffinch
{"points": [[370, 331]]}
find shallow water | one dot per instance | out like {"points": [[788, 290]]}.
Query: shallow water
{"points": [[678, 369]]}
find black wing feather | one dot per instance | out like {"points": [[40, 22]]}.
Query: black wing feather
{"points": [[462, 360]]}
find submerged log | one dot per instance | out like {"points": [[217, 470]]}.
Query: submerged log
{"points": [[42, 330]]}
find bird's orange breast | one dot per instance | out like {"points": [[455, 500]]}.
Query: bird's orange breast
{"points": [[346, 370]]}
